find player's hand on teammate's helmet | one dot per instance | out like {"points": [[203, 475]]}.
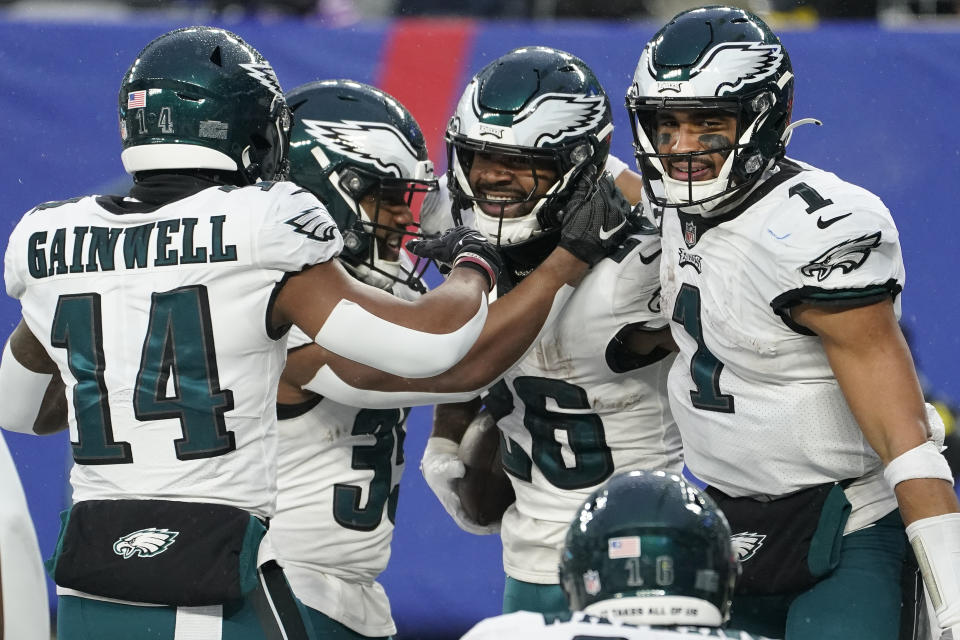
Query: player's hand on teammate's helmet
{"points": [[595, 219], [460, 246], [442, 469]]}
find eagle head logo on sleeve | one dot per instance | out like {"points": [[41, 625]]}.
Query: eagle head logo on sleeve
{"points": [[846, 256], [145, 543], [315, 224]]}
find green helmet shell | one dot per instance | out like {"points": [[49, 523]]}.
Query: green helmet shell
{"points": [[202, 98], [532, 103], [646, 545], [720, 58], [350, 140]]}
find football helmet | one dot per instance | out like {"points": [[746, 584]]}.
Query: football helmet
{"points": [[718, 59], [202, 98], [648, 547], [353, 143], [540, 108]]}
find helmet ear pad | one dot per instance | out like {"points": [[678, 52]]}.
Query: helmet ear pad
{"points": [[581, 160], [269, 148]]}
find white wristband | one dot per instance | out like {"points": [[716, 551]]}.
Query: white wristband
{"points": [[924, 461], [615, 166], [936, 543], [24, 390], [353, 332]]}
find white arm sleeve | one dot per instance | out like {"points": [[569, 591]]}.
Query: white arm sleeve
{"points": [[353, 332], [26, 615], [327, 383], [23, 390]]}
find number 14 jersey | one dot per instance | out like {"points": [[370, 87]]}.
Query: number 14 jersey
{"points": [[158, 319]]}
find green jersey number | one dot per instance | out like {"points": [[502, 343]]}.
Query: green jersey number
{"points": [[178, 350], [386, 426], [583, 431], [704, 367]]}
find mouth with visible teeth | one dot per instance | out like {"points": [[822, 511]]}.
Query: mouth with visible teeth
{"points": [[696, 170], [390, 247], [513, 203]]}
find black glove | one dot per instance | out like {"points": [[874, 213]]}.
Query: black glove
{"points": [[460, 246], [595, 219]]}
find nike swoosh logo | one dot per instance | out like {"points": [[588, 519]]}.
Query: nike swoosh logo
{"points": [[823, 224], [606, 235], [647, 260]]}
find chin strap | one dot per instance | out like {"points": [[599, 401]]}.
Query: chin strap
{"points": [[788, 132]]}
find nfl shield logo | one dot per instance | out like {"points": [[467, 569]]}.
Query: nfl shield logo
{"points": [[591, 582], [690, 234]]}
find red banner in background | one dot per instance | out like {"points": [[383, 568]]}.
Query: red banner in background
{"points": [[423, 66]]}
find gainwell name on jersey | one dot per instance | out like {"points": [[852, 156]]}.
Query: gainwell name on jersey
{"points": [[159, 243], [155, 244]]}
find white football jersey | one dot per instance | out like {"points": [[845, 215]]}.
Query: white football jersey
{"points": [[572, 413], [339, 472], [526, 625], [159, 323], [338, 477], [757, 403]]}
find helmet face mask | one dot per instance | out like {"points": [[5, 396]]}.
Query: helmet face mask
{"points": [[712, 58], [202, 98], [377, 240], [650, 548], [541, 114], [531, 174], [363, 155]]}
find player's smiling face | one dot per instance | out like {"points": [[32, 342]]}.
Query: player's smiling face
{"points": [[697, 131], [391, 221], [495, 177]]}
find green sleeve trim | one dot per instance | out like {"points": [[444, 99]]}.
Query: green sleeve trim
{"points": [[834, 298]]}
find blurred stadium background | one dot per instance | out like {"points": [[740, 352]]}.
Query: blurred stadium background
{"points": [[881, 74]]}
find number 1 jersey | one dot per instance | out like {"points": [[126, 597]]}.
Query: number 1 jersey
{"points": [[758, 406]]}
